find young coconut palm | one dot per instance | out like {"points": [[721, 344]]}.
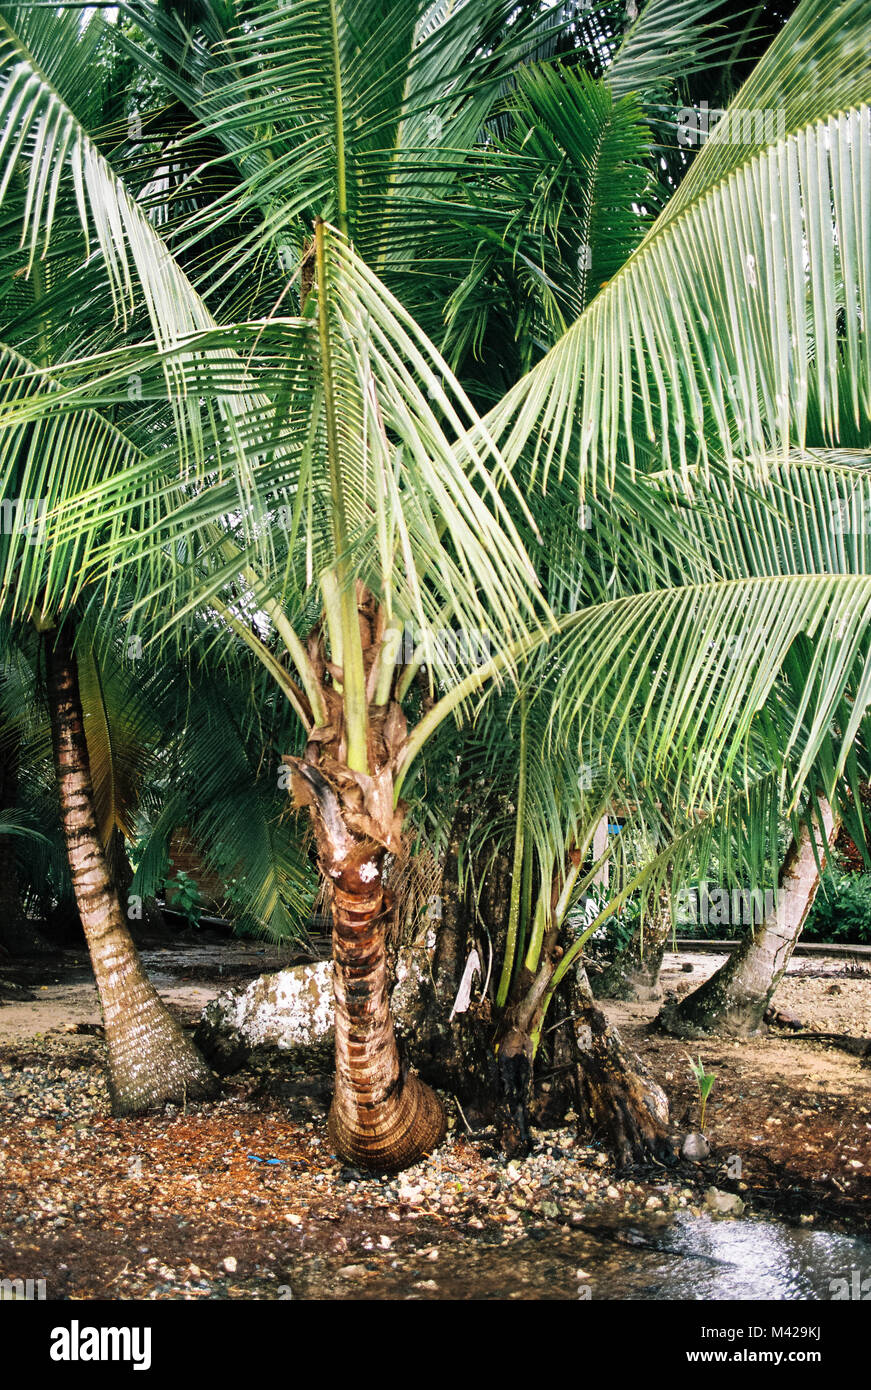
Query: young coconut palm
{"points": [[400, 512], [732, 335]]}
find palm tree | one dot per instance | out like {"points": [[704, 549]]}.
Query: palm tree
{"points": [[142, 722], [150, 1059], [348, 675], [734, 999], [726, 250], [326, 469], [528, 278]]}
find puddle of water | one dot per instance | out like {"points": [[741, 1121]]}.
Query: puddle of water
{"points": [[751, 1260], [686, 1258], [694, 1258]]}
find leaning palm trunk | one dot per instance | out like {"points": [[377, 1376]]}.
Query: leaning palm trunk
{"points": [[150, 1059], [736, 996]]}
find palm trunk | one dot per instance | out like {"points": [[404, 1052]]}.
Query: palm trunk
{"points": [[634, 971], [617, 1098], [736, 996], [150, 1059], [455, 1050], [383, 1117]]}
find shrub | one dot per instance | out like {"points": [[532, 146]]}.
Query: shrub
{"points": [[841, 911]]}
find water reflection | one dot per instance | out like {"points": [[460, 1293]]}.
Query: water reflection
{"points": [[697, 1258]]}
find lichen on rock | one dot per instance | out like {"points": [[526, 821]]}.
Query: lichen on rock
{"points": [[294, 1008]]}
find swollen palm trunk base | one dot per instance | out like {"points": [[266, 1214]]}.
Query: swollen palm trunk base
{"points": [[617, 1097], [151, 1062], [383, 1117], [150, 1059]]}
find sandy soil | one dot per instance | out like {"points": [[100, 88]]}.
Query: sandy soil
{"points": [[796, 1113], [62, 994]]}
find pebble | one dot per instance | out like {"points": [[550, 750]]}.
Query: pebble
{"points": [[723, 1203]]}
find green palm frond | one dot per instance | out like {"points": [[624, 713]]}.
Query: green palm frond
{"points": [[744, 288], [817, 66], [41, 134], [333, 109], [684, 672], [548, 211], [68, 181], [122, 731], [230, 799], [668, 40], [367, 426], [18, 825]]}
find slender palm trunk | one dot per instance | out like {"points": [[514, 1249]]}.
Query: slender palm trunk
{"points": [[383, 1117], [150, 1059], [736, 996]]}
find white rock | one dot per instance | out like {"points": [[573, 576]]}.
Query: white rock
{"points": [[723, 1203], [294, 1007]]}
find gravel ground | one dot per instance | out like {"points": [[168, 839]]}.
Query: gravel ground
{"points": [[241, 1198], [235, 1197]]}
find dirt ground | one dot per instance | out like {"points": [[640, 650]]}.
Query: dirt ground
{"points": [[796, 1113], [242, 1199]]}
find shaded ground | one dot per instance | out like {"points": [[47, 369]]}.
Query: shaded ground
{"points": [[241, 1198], [796, 1113]]}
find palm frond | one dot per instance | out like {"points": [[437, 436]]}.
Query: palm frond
{"points": [[745, 288]]}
